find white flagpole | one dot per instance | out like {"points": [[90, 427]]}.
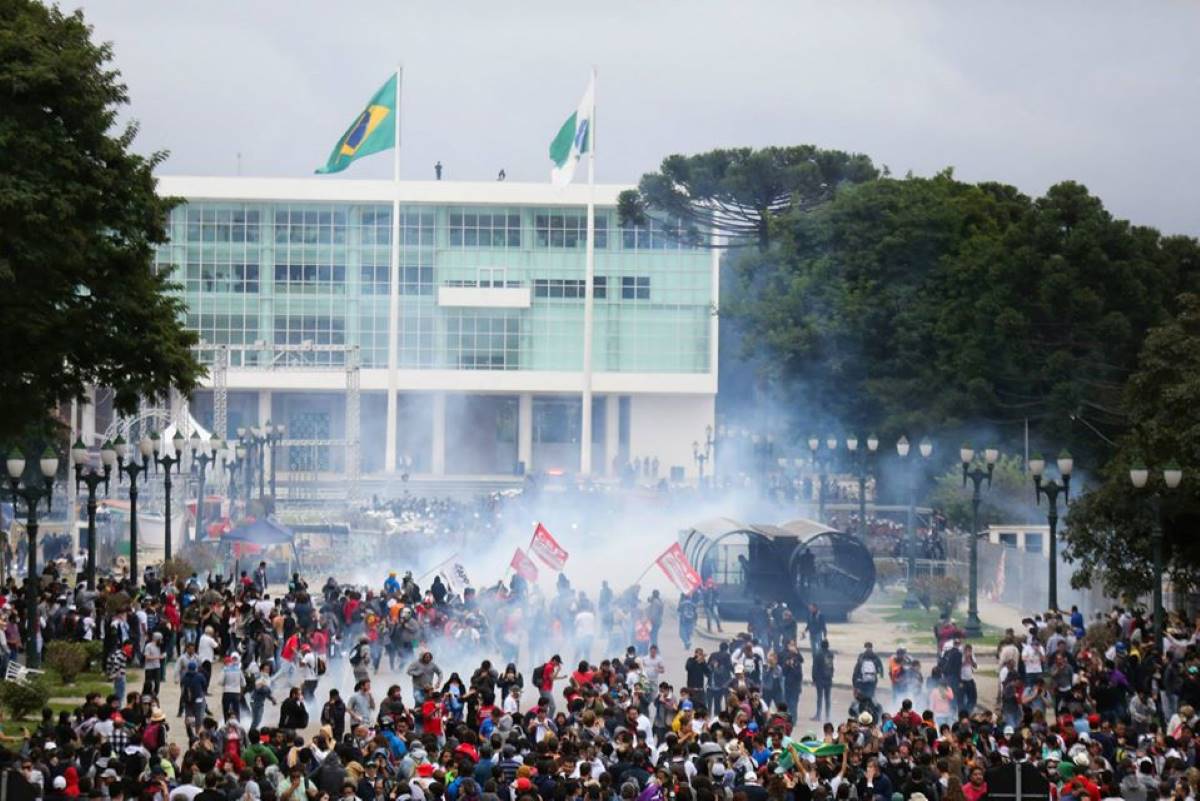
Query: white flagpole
{"points": [[389, 448], [585, 446]]}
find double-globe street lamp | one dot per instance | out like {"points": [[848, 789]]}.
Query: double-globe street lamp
{"points": [[274, 434], [925, 448], [93, 478], [977, 476], [167, 460], [31, 493], [823, 462], [204, 453], [128, 464], [1052, 489], [862, 468], [1139, 476]]}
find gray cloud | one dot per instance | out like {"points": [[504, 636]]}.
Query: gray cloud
{"points": [[1028, 93]]}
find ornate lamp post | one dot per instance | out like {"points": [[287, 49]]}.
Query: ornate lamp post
{"points": [[238, 463], [275, 436], [977, 476], [204, 454], [168, 461], [863, 468], [31, 493], [703, 454], [910, 532], [1139, 476], [1052, 489], [133, 468], [823, 462], [93, 479]]}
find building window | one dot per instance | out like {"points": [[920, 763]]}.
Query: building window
{"points": [[416, 227], [375, 279], [654, 235], [416, 346], [556, 421], [239, 279], [635, 287], [567, 229], [485, 229], [308, 226], [483, 340], [416, 280], [599, 287], [225, 329], [324, 279], [213, 224]]}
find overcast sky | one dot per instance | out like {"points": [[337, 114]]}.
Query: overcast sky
{"points": [[1028, 93]]}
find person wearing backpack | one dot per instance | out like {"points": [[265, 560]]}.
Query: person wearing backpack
{"points": [[544, 677], [822, 679], [867, 670]]}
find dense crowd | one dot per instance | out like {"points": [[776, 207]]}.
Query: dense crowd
{"points": [[501, 699]]}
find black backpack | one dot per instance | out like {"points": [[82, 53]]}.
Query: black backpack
{"points": [[539, 673]]}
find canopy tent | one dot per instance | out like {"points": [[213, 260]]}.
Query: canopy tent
{"points": [[265, 532]]}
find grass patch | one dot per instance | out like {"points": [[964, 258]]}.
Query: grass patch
{"points": [[86, 683], [921, 622]]}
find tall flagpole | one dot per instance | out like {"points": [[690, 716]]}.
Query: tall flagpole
{"points": [[389, 448], [585, 446]]}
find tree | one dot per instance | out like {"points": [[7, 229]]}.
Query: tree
{"points": [[1109, 530], [738, 193], [80, 301], [932, 305]]}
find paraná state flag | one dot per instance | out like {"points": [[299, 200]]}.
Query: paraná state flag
{"points": [[678, 569], [372, 131], [523, 566], [573, 139], [545, 547]]}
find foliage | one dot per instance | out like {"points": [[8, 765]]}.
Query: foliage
{"points": [[1099, 637], [23, 699], [943, 593], [1007, 500], [932, 305], [174, 569], [79, 218], [67, 659], [94, 649], [737, 193], [887, 571], [1110, 530]]}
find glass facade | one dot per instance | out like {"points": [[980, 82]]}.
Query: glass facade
{"points": [[268, 273]]}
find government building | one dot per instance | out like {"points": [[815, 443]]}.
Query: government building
{"points": [[289, 285]]}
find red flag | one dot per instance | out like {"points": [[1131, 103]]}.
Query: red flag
{"points": [[524, 566], [545, 547], [678, 569]]}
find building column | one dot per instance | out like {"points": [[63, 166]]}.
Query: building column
{"points": [[612, 432], [264, 414], [525, 430], [438, 457]]}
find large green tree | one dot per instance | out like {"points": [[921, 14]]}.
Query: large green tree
{"points": [[80, 301], [933, 305], [737, 193], [1109, 531]]}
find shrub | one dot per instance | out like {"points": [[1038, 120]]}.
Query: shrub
{"points": [[22, 699], [95, 655], [67, 659], [887, 571], [174, 569], [943, 593]]}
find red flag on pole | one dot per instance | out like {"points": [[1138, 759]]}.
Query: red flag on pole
{"points": [[524, 566], [545, 547], [678, 569]]}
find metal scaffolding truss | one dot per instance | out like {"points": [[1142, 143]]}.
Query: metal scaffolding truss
{"points": [[306, 357]]}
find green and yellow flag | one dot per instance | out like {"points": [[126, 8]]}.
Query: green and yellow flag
{"points": [[372, 131]]}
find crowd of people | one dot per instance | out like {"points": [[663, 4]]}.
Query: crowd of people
{"points": [[496, 695]]}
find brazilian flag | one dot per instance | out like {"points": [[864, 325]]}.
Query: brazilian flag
{"points": [[372, 131], [809, 750]]}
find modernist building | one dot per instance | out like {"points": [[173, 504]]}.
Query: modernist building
{"points": [[291, 274]]}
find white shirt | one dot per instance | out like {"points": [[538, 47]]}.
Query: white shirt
{"points": [[206, 648], [585, 624], [1031, 655]]}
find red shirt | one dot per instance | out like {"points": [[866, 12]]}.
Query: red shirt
{"points": [[431, 717]]}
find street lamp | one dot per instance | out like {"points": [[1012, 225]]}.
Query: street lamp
{"points": [[167, 462], [133, 468], [925, 448], [204, 453], [31, 493], [275, 434], [822, 462], [977, 476], [863, 468], [1139, 476], [92, 478], [1052, 489], [702, 455]]}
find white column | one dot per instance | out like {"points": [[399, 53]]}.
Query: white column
{"points": [[525, 430], [612, 431], [438, 459], [264, 414]]}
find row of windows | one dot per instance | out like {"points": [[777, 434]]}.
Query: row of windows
{"points": [[489, 229], [633, 287], [313, 278], [414, 280], [236, 278]]}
